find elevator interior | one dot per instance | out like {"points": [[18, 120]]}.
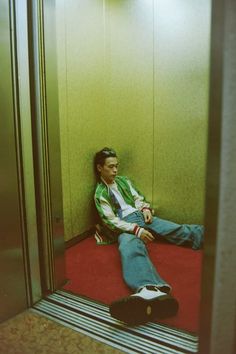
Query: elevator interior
{"points": [[42, 173], [134, 76], [140, 66]]}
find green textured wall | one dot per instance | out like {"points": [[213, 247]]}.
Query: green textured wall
{"points": [[181, 107], [134, 75]]}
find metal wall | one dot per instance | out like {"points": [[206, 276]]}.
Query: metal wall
{"points": [[13, 298], [134, 75]]}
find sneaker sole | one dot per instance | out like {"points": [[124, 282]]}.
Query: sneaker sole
{"points": [[135, 310]]}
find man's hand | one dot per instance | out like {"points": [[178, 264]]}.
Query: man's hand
{"points": [[147, 216], [146, 236]]}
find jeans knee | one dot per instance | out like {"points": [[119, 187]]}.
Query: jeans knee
{"points": [[130, 244]]}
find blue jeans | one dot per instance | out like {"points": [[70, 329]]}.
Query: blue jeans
{"points": [[137, 267]]}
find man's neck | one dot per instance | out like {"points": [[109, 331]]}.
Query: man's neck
{"points": [[106, 183]]}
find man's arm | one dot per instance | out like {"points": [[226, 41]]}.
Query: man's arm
{"points": [[112, 221], [141, 204]]}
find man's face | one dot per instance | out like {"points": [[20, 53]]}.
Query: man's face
{"points": [[109, 170]]}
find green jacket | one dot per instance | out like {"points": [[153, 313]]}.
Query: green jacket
{"points": [[111, 223]]}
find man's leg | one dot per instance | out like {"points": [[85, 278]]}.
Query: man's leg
{"points": [[178, 234], [151, 299], [137, 267], [172, 232]]}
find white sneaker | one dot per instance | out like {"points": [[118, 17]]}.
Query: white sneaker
{"points": [[149, 292]]}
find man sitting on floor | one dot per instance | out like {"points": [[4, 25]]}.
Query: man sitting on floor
{"points": [[127, 218]]}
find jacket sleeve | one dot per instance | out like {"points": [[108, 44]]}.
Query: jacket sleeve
{"points": [[139, 200], [112, 221]]}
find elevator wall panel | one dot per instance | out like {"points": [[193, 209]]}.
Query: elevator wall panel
{"points": [[81, 90], [129, 87], [182, 31], [13, 289], [105, 70]]}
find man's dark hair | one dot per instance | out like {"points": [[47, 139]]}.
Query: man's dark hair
{"points": [[100, 157]]}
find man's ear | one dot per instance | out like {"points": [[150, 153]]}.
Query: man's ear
{"points": [[99, 168]]}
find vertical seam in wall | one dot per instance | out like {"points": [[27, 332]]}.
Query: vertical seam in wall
{"points": [[154, 100], [104, 55], [67, 123]]}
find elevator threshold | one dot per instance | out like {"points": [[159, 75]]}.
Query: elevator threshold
{"points": [[93, 319]]}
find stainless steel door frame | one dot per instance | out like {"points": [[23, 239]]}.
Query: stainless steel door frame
{"points": [[20, 276], [31, 206], [46, 142], [14, 290], [22, 87]]}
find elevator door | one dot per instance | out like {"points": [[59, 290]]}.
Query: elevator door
{"points": [[13, 297]]}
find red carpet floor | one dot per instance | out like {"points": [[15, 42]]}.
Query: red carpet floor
{"points": [[95, 271]]}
